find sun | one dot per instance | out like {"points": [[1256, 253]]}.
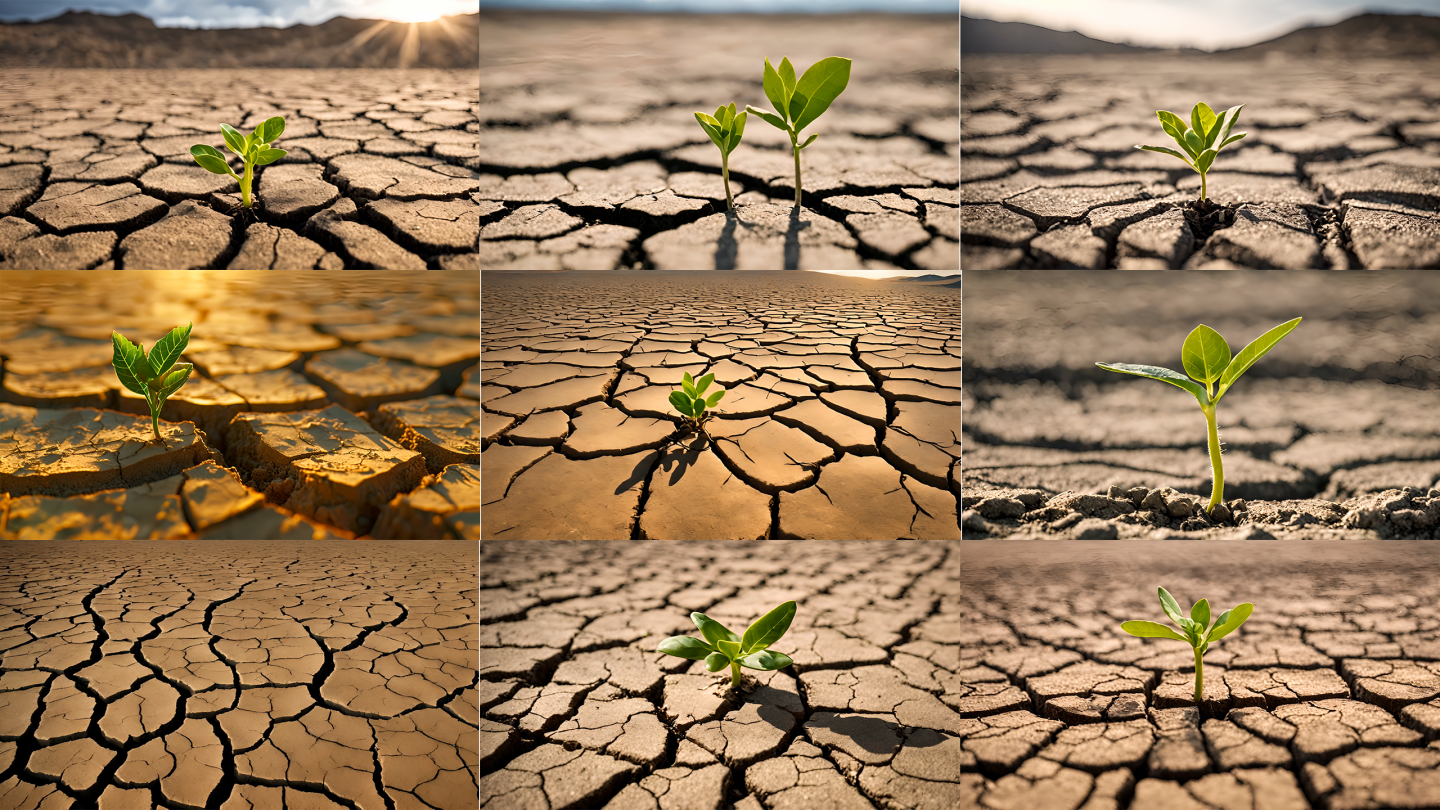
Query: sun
{"points": [[414, 11]]}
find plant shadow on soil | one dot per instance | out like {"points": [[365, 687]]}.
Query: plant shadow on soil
{"points": [[872, 733]]}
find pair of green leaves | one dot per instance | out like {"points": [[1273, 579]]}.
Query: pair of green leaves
{"points": [[1203, 138], [156, 376], [723, 648], [1206, 357], [725, 128], [800, 102], [1198, 631], [254, 148], [692, 401]]}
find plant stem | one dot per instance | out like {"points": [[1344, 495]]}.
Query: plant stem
{"points": [[1202, 186], [245, 183], [734, 675], [1217, 468], [155, 420], [796, 145], [725, 171], [1199, 676]]}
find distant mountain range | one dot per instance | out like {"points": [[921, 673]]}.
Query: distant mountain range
{"points": [[926, 277], [1362, 35], [82, 39]]}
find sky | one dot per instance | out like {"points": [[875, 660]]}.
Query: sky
{"points": [[737, 6], [1209, 25], [242, 13]]}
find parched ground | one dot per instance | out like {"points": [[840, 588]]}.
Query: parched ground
{"points": [[313, 411], [581, 712], [840, 421], [591, 157], [1331, 435], [96, 171], [1340, 170], [238, 676], [1328, 697]]}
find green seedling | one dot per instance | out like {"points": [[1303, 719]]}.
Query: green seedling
{"points": [[154, 377], [691, 402], [722, 648], [1195, 627], [1206, 357], [725, 128], [1202, 140], [800, 103], [254, 149]]}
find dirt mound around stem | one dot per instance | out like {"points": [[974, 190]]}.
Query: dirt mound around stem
{"points": [[1205, 217]]}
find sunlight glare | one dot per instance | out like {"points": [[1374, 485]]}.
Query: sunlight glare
{"points": [[413, 11]]}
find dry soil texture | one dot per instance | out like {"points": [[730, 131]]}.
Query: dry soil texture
{"points": [[96, 170], [581, 712], [313, 411], [1331, 434], [238, 676], [1340, 170], [1327, 698], [840, 419], [591, 157]]}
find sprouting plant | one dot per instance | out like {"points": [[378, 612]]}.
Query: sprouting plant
{"points": [[1194, 627], [1206, 357], [725, 128], [691, 402], [723, 648], [254, 149], [1202, 140], [800, 103], [157, 376]]}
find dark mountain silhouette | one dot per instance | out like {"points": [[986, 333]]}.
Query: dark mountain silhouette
{"points": [[82, 39], [1367, 34], [926, 277], [988, 36]]}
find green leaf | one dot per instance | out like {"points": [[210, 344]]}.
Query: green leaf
{"points": [[797, 106], [685, 647], [1231, 139], [1202, 120], [1229, 620], [1232, 117], [1171, 607], [703, 384], [713, 631], [1151, 630], [1206, 159], [714, 662], [720, 116], [1195, 143], [1251, 354], [775, 88], [768, 628], [685, 377], [787, 76], [681, 403], [1215, 130], [1205, 354], [766, 660], [712, 130], [715, 398], [1173, 124], [233, 139], [267, 156], [1200, 614], [697, 407], [168, 349], [271, 129], [1168, 151], [250, 143], [737, 133], [809, 140], [212, 164], [730, 648], [1162, 374], [821, 84], [173, 381], [768, 117], [689, 386], [130, 364]]}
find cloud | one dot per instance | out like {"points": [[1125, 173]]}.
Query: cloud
{"points": [[223, 13]]}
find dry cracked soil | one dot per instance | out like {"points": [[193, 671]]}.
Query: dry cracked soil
{"points": [[1327, 698], [96, 171], [1340, 170], [592, 158], [312, 412], [240, 676], [580, 711], [840, 421]]}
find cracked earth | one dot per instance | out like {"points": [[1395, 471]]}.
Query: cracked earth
{"points": [[841, 418], [238, 676], [312, 412], [1340, 171], [96, 172], [592, 158], [581, 712], [1327, 698]]}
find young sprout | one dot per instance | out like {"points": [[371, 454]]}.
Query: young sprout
{"points": [[1206, 357], [725, 128], [1195, 629], [692, 402], [1202, 140], [157, 376], [800, 103], [723, 648], [254, 149]]}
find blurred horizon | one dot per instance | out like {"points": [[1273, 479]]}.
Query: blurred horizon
{"points": [[1215, 25], [207, 14], [734, 6]]}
